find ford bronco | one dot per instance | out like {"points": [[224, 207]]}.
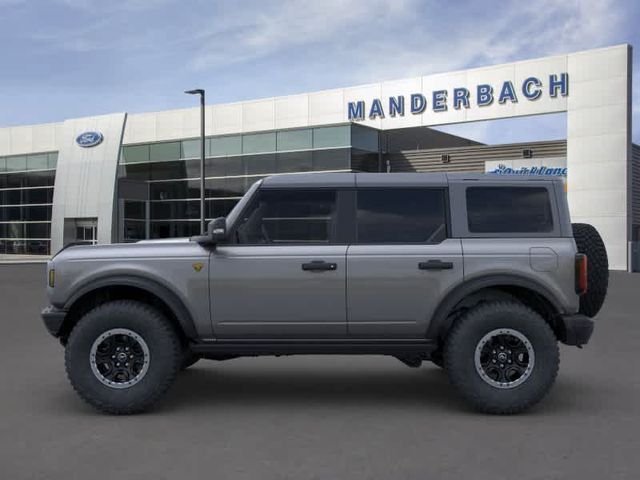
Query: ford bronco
{"points": [[482, 275]]}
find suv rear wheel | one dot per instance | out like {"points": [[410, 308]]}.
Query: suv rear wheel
{"points": [[502, 357], [122, 356]]}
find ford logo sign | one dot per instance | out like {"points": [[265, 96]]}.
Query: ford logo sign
{"points": [[89, 139]]}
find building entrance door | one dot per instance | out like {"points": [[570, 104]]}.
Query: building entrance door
{"points": [[87, 232]]}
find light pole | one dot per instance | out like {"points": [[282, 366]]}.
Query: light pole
{"points": [[200, 91]]}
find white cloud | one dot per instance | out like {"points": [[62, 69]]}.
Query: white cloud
{"points": [[519, 31], [284, 25], [379, 38], [367, 39], [113, 6]]}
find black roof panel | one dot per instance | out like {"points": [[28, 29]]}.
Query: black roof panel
{"points": [[342, 180]]}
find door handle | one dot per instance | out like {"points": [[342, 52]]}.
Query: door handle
{"points": [[319, 266], [435, 265]]}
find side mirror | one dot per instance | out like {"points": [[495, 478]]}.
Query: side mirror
{"points": [[216, 232]]}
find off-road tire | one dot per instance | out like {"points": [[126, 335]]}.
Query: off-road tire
{"points": [[459, 357], [589, 242], [487, 296], [165, 355]]}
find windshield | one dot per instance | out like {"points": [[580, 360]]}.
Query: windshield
{"points": [[235, 212]]}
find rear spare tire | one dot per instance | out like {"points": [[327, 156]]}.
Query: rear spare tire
{"points": [[590, 243]]}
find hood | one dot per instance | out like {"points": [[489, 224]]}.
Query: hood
{"points": [[174, 247]]}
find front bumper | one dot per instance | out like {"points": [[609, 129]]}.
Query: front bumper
{"points": [[575, 329], [53, 319]]}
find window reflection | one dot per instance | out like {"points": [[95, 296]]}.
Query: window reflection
{"points": [[26, 195], [233, 163]]}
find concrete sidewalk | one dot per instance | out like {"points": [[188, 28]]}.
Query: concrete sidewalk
{"points": [[10, 259]]}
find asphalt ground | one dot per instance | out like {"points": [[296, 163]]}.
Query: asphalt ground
{"points": [[317, 417]]}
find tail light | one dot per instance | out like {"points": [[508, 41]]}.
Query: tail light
{"points": [[581, 274]]}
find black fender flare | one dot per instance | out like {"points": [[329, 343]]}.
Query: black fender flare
{"points": [[439, 320], [165, 294]]}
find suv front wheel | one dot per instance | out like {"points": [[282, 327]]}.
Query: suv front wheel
{"points": [[122, 356], [502, 357]]}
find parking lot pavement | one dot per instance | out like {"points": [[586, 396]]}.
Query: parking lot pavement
{"points": [[318, 417]]}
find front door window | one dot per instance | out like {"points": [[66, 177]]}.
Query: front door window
{"points": [[281, 217]]}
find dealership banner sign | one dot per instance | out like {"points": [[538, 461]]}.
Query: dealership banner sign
{"points": [[550, 166], [482, 95], [531, 170]]}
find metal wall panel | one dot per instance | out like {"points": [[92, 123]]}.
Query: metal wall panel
{"points": [[470, 159], [29, 139], [635, 184], [86, 177], [599, 146]]}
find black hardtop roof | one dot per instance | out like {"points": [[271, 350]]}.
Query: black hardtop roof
{"points": [[346, 179]]}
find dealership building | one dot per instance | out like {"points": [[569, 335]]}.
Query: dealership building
{"points": [[125, 177]]}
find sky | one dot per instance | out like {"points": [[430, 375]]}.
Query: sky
{"points": [[71, 58]]}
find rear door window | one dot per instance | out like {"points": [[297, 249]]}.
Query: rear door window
{"points": [[509, 210], [401, 216]]}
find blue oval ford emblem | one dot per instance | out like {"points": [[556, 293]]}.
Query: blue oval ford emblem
{"points": [[89, 139]]}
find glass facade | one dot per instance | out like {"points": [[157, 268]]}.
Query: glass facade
{"points": [[26, 197], [159, 189]]}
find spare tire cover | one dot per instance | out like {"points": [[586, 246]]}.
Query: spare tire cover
{"points": [[590, 243]]}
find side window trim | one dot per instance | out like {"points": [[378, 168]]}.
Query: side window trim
{"points": [[447, 213]]}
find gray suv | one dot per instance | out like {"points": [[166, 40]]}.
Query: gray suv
{"points": [[480, 274]]}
